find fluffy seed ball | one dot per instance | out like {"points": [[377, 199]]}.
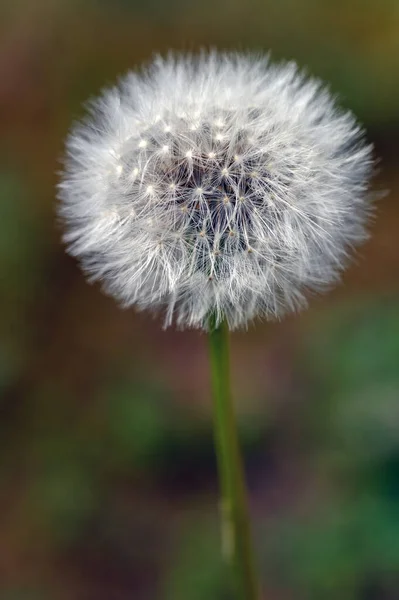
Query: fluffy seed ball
{"points": [[217, 184]]}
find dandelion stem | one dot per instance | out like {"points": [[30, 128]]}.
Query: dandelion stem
{"points": [[236, 534]]}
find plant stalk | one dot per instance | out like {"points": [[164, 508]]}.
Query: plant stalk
{"points": [[236, 533]]}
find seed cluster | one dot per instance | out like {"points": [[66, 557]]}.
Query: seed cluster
{"points": [[215, 184], [211, 184]]}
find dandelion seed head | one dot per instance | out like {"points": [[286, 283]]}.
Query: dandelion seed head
{"points": [[215, 184]]}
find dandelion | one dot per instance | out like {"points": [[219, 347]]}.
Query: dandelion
{"points": [[218, 188], [215, 184]]}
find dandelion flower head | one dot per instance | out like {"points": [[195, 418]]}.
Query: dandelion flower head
{"points": [[215, 184]]}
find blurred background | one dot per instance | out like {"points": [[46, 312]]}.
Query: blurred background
{"points": [[108, 487]]}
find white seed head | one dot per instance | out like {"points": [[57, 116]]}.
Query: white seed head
{"points": [[216, 184]]}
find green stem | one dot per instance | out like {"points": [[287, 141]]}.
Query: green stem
{"points": [[236, 534]]}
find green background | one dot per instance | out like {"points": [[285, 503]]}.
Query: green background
{"points": [[108, 488]]}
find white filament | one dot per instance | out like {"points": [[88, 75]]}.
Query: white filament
{"points": [[218, 183]]}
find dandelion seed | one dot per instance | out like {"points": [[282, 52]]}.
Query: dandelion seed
{"points": [[286, 192]]}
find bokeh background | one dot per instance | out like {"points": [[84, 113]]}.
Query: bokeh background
{"points": [[108, 488]]}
